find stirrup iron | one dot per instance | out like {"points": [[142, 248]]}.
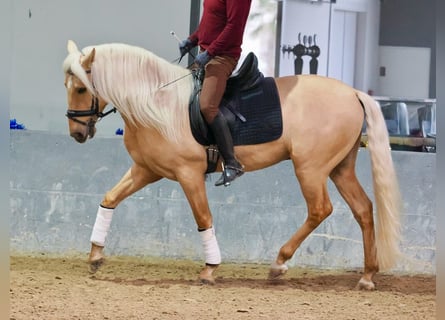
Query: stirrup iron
{"points": [[229, 174]]}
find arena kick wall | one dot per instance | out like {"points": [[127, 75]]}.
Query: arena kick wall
{"points": [[57, 184]]}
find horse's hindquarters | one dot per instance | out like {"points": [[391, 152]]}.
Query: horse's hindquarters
{"points": [[322, 118]]}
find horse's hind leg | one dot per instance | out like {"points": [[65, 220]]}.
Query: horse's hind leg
{"points": [[313, 186], [135, 179], [349, 187]]}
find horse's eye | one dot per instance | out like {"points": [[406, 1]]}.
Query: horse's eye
{"points": [[81, 90]]}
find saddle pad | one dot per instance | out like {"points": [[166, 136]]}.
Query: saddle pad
{"points": [[261, 109]]}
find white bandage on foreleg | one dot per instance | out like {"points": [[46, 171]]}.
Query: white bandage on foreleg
{"points": [[101, 226], [211, 248]]}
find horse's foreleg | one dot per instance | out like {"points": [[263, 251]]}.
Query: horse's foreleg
{"points": [[195, 191], [319, 207], [135, 179]]}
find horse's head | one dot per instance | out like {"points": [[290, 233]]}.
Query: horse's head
{"points": [[85, 106]]}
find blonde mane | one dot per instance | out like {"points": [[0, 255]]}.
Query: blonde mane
{"points": [[139, 84]]}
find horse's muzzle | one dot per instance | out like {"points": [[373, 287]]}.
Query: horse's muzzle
{"points": [[82, 135], [79, 136]]}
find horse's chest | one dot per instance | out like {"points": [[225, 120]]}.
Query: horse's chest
{"points": [[160, 158]]}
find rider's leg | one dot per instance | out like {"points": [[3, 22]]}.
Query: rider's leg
{"points": [[217, 71], [232, 168]]}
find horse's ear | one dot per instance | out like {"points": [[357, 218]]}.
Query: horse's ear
{"points": [[89, 59], [72, 47]]}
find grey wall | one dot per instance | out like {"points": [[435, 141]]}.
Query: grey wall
{"points": [[56, 186], [40, 31], [410, 23], [5, 59]]}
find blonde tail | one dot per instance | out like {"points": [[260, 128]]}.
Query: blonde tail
{"points": [[386, 188]]}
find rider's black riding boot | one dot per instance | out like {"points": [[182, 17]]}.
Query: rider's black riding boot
{"points": [[232, 168]]}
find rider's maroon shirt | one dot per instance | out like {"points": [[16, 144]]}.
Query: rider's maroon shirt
{"points": [[221, 28]]}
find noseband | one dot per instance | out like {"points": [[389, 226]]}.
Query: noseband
{"points": [[94, 111]]}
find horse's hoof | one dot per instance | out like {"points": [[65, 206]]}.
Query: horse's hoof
{"points": [[93, 266], [277, 271], [365, 285], [206, 275], [207, 281]]}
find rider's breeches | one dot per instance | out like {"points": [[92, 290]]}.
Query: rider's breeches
{"points": [[217, 71]]}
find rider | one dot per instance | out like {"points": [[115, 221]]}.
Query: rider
{"points": [[219, 36]]}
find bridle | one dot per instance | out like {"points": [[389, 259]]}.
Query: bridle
{"points": [[93, 112]]}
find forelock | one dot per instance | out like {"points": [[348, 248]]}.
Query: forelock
{"points": [[71, 65]]}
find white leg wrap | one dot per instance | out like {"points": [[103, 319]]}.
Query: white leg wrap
{"points": [[211, 248], [279, 267], [101, 226]]}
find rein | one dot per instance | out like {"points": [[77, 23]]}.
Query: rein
{"points": [[173, 81], [193, 71]]}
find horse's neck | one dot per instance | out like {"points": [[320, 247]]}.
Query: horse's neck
{"points": [[157, 97]]}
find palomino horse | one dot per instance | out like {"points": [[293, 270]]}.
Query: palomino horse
{"points": [[322, 124]]}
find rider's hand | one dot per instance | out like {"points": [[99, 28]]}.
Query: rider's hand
{"points": [[202, 59], [185, 46]]}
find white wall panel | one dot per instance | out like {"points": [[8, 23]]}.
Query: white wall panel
{"points": [[405, 72], [347, 34], [343, 47], [307, 18]]}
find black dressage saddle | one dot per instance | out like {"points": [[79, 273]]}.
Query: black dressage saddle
{"points": [[250, 104]]}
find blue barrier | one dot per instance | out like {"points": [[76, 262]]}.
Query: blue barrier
{"points": [[14, 125]]}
